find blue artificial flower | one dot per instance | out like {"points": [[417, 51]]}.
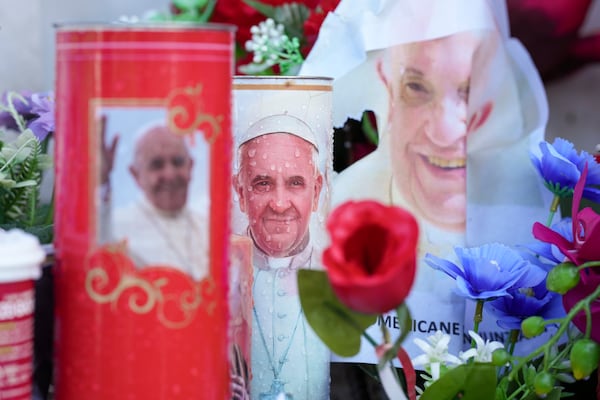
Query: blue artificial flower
{"points": [[560, 167], [42, 106], [20, 104], [549, 251], [35, 109], [486, 272], [525, 302]]}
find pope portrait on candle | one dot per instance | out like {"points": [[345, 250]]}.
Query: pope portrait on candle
{"points": [[278, 185]]}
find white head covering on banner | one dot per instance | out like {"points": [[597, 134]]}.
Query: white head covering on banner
{"points": [[279, 123], [504, 195], [500, 176]]}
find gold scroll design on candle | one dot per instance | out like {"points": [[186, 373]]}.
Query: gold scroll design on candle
{"points": [[112, 279], [185, 114]]}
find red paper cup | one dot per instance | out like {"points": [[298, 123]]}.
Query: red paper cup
{"points": [[20, 265], [141, 305]]}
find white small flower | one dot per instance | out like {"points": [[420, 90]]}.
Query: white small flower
{"points": [[270, 46], [483, 351], [436, 352]]}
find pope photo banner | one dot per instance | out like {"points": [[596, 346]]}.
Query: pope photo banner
{"points": [[459, 105]]}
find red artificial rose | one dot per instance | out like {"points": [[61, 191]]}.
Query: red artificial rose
{"points": [[237, 12], [313, 23], [372, 259], [308, 3], [552, 33]]}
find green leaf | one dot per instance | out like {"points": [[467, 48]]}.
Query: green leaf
{"points": [[555, 394], [336, 325], [292, 17], [265, 9], [45, 161], [7, 183], [369, 129], [466, 382], [44, 233], [189, 4], [254, 69], [23, 184], [405, 320]]}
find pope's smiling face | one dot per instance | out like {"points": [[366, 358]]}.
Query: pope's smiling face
{"points": [[162, 168], [278, 187], [428, 125]]}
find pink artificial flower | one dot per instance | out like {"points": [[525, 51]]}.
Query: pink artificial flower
{"points": [[585, 247], [586, 230]]}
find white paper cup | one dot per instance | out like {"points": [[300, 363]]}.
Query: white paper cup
{"points": [[21, 256]]}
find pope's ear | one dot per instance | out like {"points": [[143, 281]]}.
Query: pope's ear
{"points": [[134, 173], [381, 73], [238, 189], [317, 194]]}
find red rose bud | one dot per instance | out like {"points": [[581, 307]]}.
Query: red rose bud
{"points": [[371, 261]]}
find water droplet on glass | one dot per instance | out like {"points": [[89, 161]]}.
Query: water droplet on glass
{"points": [[251, 152]]}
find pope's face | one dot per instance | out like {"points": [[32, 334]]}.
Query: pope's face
{"points": [[162, 169], [428, 126], [278, 188]]}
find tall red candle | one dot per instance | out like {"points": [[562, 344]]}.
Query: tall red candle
{"points": [[135, 321]]}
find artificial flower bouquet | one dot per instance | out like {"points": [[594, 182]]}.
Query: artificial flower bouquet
{"points": [[26, 127], [548, 287], [273, 36]]}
